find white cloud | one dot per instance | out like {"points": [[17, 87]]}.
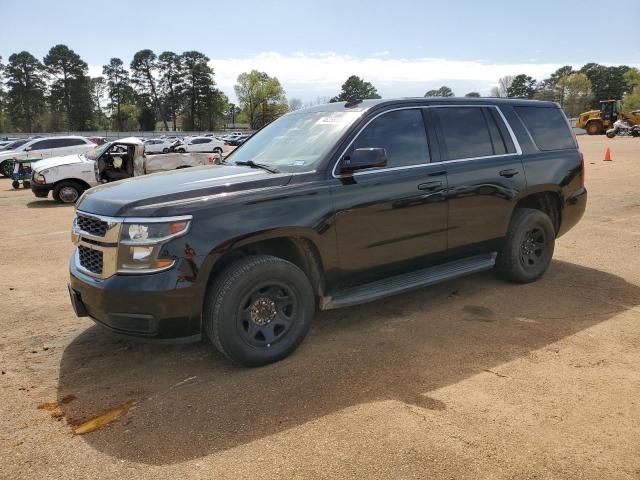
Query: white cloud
{"points": [[308, 76]]}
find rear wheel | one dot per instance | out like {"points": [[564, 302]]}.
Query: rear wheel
{"points": [[67, 192], [528, 248], [15, 184], [594, 128], [26, 184], [165, 150], [180, 150], [258, 310]]}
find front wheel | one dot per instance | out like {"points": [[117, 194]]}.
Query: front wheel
{"points": [[258, 310], [528, 248], [15, 184], [217, 150], [67, 192], [165, 150], [594, 128], [180, 150]]}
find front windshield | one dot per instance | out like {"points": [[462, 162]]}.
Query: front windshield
{"points": [[96, 152], [296, 142]]}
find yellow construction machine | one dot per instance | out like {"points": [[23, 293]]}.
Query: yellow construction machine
{"points": [[596, 122]]}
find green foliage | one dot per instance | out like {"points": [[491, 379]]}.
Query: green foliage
{"points": [[522, 86], [473, 95], [261, 98], [576, 93], [26, 95], [443, 91], [171, 84], [203, 103], [70, 91], [356, 88], [144, 69], [607, 83], [632, 99], [120, 93]]}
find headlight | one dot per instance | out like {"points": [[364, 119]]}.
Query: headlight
{"points": [[141, 243], [39, 178]]}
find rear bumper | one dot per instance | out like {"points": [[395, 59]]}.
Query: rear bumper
{"points": [[573, 210], [150, 306]]}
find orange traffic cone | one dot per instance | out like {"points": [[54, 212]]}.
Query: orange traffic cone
{"points": [[607, 155]]}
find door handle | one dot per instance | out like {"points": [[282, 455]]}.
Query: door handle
{"points": [[429, 185], [508, 173]]}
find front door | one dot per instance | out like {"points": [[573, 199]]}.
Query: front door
{"points": [[393, 219]]}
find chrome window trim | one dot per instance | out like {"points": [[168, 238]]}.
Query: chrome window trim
{"points": [[405, 167]]}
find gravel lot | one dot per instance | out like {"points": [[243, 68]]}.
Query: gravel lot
{"points": [[474, 378]]}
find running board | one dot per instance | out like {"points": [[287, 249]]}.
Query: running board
{"points": [[408, 281]]}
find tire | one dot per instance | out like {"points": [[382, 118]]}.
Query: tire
{"points": [[165, 150], [217, 150], [6, 168], [180, 150], [67, 191], [15, 184], [611, 133], [258, 310], [594, 128], [528, 248], [26, 184]]}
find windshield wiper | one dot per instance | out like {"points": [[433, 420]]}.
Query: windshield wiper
{"points": [[252, 164]]}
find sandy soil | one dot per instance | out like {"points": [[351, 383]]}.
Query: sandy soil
{"points": [[475, 378]]}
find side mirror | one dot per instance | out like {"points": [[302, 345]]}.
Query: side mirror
{"points": [[363, 158]]}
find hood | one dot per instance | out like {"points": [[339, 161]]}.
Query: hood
{"points": [[174, 192], [41, 165]]}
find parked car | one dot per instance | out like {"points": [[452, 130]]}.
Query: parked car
{"points": [[44, 148], [328, 207], [157, 146], [13, 144], [69, 176], [203, 144], [237, 141]]}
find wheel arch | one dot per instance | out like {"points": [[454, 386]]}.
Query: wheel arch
{"points": [[548, 201], [294, 245], [79, 181]]}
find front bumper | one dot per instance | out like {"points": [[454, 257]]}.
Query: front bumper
{"points": [[160, 305], [41, 190]]}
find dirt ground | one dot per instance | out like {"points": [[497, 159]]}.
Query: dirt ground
{"points": [[474, 378]]}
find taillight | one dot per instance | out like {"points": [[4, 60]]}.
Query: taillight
{"points": [[582, 167]]}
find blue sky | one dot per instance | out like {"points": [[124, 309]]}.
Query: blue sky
{"points": [[404, 47]]}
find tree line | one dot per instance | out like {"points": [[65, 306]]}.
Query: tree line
{"points": [[165, 91], [575, 90]]}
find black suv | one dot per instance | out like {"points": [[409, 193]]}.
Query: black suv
{"points": [[328, 207]]}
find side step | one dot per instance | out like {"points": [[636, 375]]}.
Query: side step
{"points": [[408, 281]]}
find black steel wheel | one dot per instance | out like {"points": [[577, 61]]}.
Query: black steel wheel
{"points": [[258, 310], [15, 184], [528, 249]]}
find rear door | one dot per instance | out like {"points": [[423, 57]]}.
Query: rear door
{"points": [[484, 172], [393, 219], [40, 149]]}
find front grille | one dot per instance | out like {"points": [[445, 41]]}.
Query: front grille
{"points": [[90, 259], [91, 225]]}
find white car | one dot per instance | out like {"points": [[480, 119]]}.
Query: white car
{"points": [[67, 177], [203, 144], [157, 146], [44, 148]]}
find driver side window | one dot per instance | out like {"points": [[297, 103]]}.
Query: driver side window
{"points": [[401, 133]]}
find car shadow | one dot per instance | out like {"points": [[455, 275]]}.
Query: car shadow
{"points": [[190, 402], [48, 203]]}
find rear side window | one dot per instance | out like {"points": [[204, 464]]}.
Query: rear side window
{"points": [[401, 133], [42, 145], [548, 127], [465, 132]]}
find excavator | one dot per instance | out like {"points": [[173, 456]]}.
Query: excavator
{"points": [[596, 122]]}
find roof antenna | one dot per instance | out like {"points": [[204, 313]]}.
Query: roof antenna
{"points": [[352, 102]]}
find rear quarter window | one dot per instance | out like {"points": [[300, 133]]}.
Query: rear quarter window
{"points": [[547, 126]]}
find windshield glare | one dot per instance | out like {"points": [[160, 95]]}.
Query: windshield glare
{"points": [[96, 152], [296, 142]]}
